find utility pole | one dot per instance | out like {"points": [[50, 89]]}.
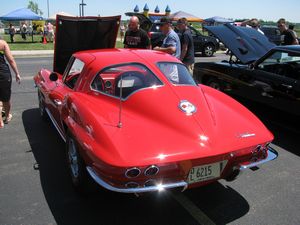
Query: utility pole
{"points": [[82, 4], [79, 9], [48, 7]]}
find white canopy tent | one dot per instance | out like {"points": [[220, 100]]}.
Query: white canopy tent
{"points": [[53, 17]]}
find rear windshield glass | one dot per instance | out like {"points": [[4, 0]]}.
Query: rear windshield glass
{"points": [[176, 73], [124, 80]]}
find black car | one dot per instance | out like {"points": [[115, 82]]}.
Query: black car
{"points": [[257, 70], [206, 45], [273, 34]]}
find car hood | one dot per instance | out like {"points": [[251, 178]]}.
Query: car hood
{"points": [[247, 44], [154, 127], [75, 34]]}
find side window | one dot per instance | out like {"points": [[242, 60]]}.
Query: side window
{"points": [[72, 76], [124, 80], [176, 73], [193, 32]]}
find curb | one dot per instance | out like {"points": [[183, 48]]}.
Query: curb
{"points": [[32, 53]]}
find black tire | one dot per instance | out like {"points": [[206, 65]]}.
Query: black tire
{"points": [[215, 83], [42, 109], [80, 178], [208, 50]]}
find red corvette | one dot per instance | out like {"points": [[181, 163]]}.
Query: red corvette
{"points": [[135, 121]]}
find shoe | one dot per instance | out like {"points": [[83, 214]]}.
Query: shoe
{"points": [[8, 119]]}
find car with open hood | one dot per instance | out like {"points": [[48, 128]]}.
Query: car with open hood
{"points": [[206, 45], [135, 121], [257, 70]]}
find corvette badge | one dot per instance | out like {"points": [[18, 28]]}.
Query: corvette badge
{"points": [[187, 107]]}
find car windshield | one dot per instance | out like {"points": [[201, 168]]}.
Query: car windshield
{"points": [[176, 73], [280, 57], [124, 80]]}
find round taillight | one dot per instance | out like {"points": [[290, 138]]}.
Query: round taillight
{"points": [[133, 172], [150, 183], [131, 185], [151, 170]]}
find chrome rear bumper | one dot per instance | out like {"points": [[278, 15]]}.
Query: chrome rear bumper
{"points": [[160, 187], [272, 154]]}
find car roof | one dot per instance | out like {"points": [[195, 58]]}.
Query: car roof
{"points": [[107, 57]]}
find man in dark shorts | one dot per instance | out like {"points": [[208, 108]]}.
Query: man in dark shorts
{"points": [[187, 55], [289, 37], [5, 81], [135, 37]]}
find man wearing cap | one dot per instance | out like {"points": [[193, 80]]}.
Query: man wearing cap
{"points": [[171, 43], [187, 44]]}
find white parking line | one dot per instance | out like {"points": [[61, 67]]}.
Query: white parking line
{"points": [[27, 78], [195, 212]]}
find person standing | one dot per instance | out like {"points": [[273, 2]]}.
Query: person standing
{"points": [[50, 29], [289, 37], [122, 31], [24, 31], [292, 27], [171, 43], [12, 32], [6, 80], [187, 55], [135, 37], [253, 23]]}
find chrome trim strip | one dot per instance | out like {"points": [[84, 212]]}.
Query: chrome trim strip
{"points": [[272, 154], [105, 185], [55, 124]]}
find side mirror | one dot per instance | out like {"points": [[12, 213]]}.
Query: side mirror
{"points": [[53, 76], [251, 66]]}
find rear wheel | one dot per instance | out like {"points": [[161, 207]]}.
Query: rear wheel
{"points": [[208, 50], [42, 108], [79, 175]]}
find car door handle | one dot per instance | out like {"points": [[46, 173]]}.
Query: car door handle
{"points": [[287, 86], [57, 102]]}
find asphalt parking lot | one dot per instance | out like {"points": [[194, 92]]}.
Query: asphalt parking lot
{"points": [[35, 187]]}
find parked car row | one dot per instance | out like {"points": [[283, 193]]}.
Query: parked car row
{"points": [[257, 70], [206, 45]]}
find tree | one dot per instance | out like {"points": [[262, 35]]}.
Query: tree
{"points": [[34, 7]]}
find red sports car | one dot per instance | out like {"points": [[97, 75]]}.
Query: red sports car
{"points": [[135, 121]]}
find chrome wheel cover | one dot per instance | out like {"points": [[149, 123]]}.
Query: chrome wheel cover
{"points": [[208, 51], [73, 158]]}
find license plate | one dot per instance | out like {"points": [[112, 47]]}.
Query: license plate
{"points": [[204, 172]]}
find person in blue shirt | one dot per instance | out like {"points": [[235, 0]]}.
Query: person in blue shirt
{"points": [[171, 43]]}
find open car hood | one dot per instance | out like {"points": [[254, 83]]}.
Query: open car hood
{"points": [[75, 34], [247, 44]]}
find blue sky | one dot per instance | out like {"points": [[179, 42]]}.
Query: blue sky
{"points": [[262, 9]]}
